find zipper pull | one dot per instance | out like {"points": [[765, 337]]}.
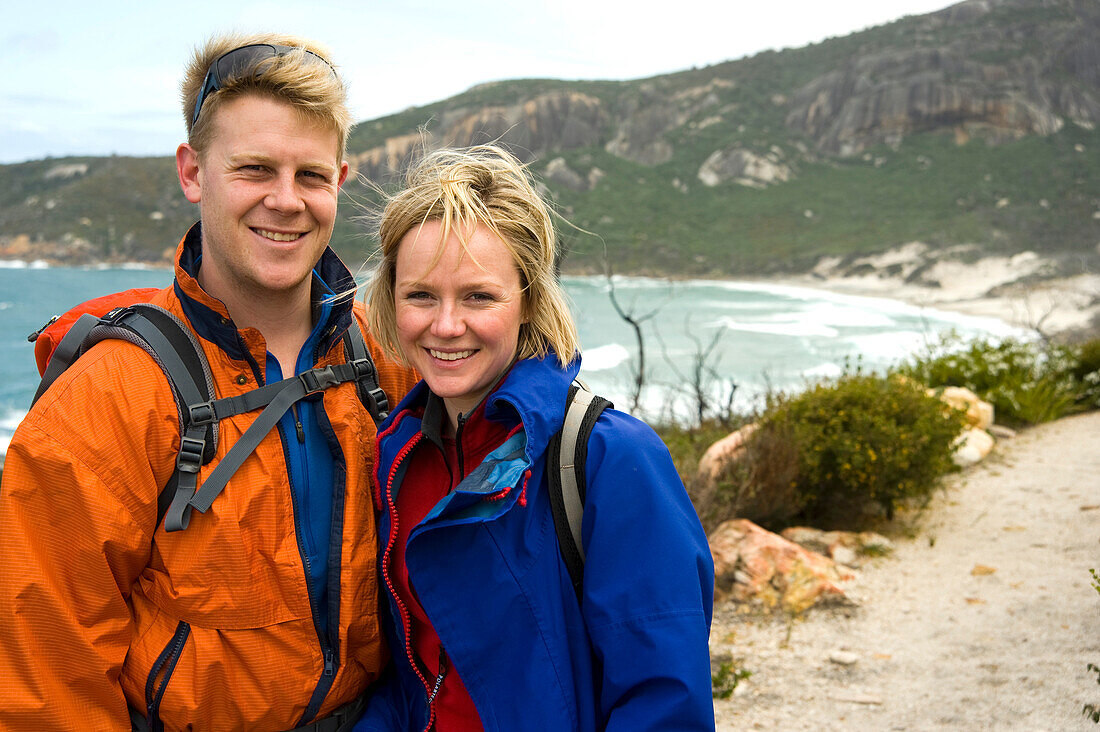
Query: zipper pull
{"points": [[439, 677], [298, 424], [34, 336], [330, 663]]}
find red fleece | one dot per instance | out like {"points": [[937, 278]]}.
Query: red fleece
{"points": [[424, 485]]}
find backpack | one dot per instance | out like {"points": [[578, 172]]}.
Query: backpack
{"points": [[568, 454], [129, 316]]}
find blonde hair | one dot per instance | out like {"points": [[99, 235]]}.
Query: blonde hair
{"points": [[295, 78], [462, 188]]}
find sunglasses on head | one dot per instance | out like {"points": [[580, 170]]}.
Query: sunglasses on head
{"points": [[232, 64]]}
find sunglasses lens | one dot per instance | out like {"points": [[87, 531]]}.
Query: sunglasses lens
{"points": [[241, 60]]}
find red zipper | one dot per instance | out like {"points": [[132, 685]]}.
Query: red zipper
{"points": [[405, 617]]}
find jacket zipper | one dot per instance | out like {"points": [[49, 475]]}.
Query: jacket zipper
{"points": [[328, 651], [458, 449], [406, 619], [166, 663], [331, 662]]}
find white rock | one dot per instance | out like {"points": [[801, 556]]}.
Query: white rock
{"points": [[843, 658], [971, 446]]}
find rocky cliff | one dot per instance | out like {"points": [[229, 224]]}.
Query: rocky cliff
{"points": [[974, 125]]}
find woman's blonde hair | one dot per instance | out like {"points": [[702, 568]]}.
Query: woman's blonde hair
{"points": [[308, 82], [462, 188]]}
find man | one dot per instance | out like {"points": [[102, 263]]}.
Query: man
{"points": [[262, 614]]}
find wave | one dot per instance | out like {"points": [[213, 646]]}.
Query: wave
{"points": [[790, 328], [849, 305], [824, 371], [848, 316], [889, 347], [603, 358], [23, 264]]}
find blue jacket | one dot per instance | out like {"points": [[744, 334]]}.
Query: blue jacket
{"points": [[633, 655]]}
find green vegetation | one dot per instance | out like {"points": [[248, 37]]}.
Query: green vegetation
{"points": [[1092, 711], [724, 681], [847, 452], [1027, 382], [840, 453], [1028, 193]]}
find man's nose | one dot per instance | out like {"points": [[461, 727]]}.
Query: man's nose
{"points": [[284, 195]]}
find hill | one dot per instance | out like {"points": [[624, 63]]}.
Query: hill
{"points": [[975, 125]]}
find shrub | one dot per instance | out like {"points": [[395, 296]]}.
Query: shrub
{"points": [[761, 485], [864, 444], [1086, 370], [1027, 382]]}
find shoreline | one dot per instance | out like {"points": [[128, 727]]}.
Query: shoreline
{"points": [[1022, 290]]}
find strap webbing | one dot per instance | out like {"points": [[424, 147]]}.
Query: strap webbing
{"points": [[569, 450], [284, 394], [67, 351], [370, 393], [570, 489], [173, 347]]}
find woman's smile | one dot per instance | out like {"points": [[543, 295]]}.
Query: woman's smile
{"points": [[459, 310]]}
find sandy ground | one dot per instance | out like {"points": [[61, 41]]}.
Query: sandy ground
{"points": [[983, 617], [1020, 289]]}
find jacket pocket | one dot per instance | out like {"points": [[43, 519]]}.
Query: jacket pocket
{"points": [[161, 673]]}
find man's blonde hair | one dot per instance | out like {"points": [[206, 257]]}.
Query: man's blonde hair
{"points": [[462, 188], [295, 78]]}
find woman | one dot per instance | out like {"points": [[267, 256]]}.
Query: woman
{"points": [[483, 622]]}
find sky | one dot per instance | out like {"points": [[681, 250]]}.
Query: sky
{"points": [[99, 78]]}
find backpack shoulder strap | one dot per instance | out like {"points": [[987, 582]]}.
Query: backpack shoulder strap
{"points": [[175, 350], [181, 359], [568, 453], [370, 393], [68, 350]]}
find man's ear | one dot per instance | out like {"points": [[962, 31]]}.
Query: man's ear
{"points": [[187, 168], [343, 174]]}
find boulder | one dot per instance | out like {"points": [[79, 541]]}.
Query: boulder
{"points": [[557, 171], [753, 565], [743, 167], [971, 446], [722, 452], [979, 413]]}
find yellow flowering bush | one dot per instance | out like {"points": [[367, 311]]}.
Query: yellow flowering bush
{"points": [[862, 446]]}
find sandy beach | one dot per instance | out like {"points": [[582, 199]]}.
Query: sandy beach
{"points": [[982, 618], [1023, 290]]}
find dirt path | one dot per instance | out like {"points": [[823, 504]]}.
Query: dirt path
{"points": [[938, 640]]}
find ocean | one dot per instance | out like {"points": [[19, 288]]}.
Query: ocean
{"points": [[759, 335]]}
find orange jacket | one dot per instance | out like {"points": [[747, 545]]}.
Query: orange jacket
{"points": [[99, 611]]}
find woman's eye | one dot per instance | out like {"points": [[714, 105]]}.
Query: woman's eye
{"points": [[481, 297]]}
